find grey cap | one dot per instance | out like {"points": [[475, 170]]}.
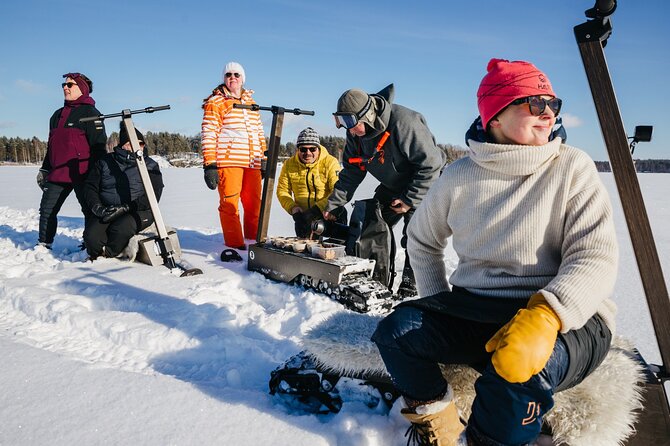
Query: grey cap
{"points": [[308, 137], [352, 101], [356, 101]]}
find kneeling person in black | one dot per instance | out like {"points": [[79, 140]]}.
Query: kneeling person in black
{"points": [[115, 195]]}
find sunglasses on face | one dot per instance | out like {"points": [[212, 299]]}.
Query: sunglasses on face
{"points": [[237, 75], [68, 84], [305, 149], [537, 104]]}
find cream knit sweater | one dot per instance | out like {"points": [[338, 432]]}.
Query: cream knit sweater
{"points": [[522, 219]]}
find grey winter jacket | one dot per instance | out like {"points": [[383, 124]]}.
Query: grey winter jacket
{"points": [[412, 160]]}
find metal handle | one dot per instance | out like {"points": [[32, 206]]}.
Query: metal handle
{"points": [[274, 109], [125, 113]]}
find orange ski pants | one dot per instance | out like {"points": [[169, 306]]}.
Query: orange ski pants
{"points": [[235, 184]]}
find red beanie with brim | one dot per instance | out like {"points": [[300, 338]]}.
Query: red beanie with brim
{"points": [[507, 81]]}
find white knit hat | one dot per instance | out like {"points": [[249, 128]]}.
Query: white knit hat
{"points": [[233, 67]]}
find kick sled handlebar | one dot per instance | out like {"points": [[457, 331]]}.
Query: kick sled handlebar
{"points": [[274, 108], [125, 113], [272, 155]]}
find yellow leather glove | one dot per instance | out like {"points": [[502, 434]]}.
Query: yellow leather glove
{"points": [[523, 346]]}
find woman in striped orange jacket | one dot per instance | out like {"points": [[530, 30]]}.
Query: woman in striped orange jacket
{"points": [[233, 148]]}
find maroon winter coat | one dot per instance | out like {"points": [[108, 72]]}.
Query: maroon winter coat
{"points": [[73, 145]]}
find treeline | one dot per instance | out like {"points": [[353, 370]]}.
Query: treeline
{"points": [[173, 146], [642, 166], [20, 150]]}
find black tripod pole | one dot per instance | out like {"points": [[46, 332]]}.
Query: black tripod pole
{"points": [[272, 158], [654, 425]]}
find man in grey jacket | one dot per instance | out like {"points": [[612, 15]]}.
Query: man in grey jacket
{"points": [[394, 144]]}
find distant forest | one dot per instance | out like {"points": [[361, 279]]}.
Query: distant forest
{"points": [[183, 151], [179, 149]]}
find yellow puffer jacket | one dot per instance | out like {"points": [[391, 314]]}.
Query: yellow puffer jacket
{"points": [[306, 185]]}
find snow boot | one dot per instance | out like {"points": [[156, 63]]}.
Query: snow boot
{"points": [[230, 255], [435, 424], [407, 288]]}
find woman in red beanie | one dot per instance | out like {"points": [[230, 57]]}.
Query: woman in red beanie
{"points": [[528, 303]]}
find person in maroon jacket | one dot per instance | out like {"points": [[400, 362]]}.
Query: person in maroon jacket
{"points": [[72, 147]]}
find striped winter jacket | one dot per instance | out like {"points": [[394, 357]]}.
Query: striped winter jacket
{"points": [[232, 137]]}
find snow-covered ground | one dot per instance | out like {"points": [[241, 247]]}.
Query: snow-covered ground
{"points": [[116, 353]]}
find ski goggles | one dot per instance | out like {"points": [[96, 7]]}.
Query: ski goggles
{"points": [[538, 104], [350, 120]]}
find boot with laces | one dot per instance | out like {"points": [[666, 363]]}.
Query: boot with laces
{"points": [[435, 424]]}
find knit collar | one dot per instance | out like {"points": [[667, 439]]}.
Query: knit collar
{"points": [[513, 159]]}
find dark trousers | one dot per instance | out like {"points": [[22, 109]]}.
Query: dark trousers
{"points": [[413, 340], [385, 196], [52, 200], [114, 236]]}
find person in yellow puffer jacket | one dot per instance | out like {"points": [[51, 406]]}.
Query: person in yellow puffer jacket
{"points": [[307, 179]]}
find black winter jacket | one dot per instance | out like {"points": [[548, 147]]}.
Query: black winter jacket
{"points": [[115, 179]]}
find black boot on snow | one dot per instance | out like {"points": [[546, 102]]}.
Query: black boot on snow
{"points": [[407, 289], [230, 255]]}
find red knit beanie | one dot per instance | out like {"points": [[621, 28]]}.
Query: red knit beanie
{"points": [[507, 81]]}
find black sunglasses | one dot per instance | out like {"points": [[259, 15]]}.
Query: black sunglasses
{"points": [[305, 149], [237, 75], [69, 84], [537, 104]]}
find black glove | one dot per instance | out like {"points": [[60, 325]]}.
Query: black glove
{"points": [[42, 178], [264, 167], [98, 210], [302, 224], [114, 211], [211, 176]]}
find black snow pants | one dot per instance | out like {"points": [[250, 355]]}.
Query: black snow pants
{"points": [[385, 196], [52, 200], [114, 236]]}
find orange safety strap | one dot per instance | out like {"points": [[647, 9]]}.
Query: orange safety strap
{"points": [[379, 152]]}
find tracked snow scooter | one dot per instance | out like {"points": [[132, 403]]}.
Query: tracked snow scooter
{"points": [[321, 265], [624, 401], [162, 248]]}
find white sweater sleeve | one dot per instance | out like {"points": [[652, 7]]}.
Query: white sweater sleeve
{"points": [[427, 235], [589, 254]]}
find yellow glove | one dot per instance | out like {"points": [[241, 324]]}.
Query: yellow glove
{"points": [[523, 346]]}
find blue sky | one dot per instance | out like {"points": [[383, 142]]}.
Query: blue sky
{"points": [[305, 53]]}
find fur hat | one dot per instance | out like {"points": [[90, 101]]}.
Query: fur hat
{"points": [[308, 137], [507, 81], [356, 101], [233, 67], [124, 138]]}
